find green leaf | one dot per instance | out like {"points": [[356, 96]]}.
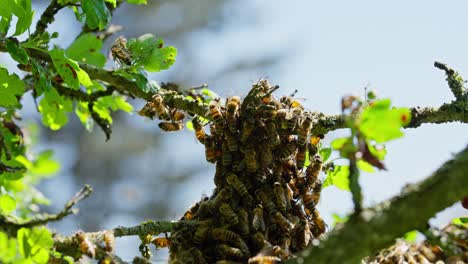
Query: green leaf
{"points": [[112, 2], [54, 109], [5, 24], [460, 221], [44, 164], [11, 86], [411, 236], [339, 219], [86, 49], [7, 204], [338, 143], [378, 151], [112, 102], [82, 112], [325, 153], [189, 125], [42, 82], [381, 123], [22, 9], [338, 177], [307, 159], [35, 244], [16, 51], [7, 248], [97, 14], [69, 70], [139, 78], [137, 2], [148, 51], [365, 166]]}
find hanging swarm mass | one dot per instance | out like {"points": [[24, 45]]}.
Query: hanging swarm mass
{"points": [[263, 208]]}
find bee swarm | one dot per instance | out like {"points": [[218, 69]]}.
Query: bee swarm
{"points": [[263, 208]]}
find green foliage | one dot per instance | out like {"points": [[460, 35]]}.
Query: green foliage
{"points": [[10, 88], [7, 204], [17, 52], [54, 109], [86, 49], [337, 219], [21, 9], [96, 13], [148, 52], [325, 153], [35, 244], [137, 2], [69, 70], [8, 248], [411, 236], [339, 177]]}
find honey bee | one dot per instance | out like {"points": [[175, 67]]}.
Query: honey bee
{"points": [[282, 221], [225, 235], [86, 247], [171, 126], [272, 133], [244, 226], [236, 161], [210, 149], [258, 222], [313, 170], [259, 241], [109, 240], [314, 144], [266, 199], [216, 115], [268, 111], [119, 51], [161, 242], [303, 235], [227, 251], [281, 253], [293, 117], [266, 156], [288, 150], [317, 190], [264, 260], [200, 133], [300, 157], [234, 181], [231, 141], [304, 130], [227, 156], [160, 108], [177, 115], [212, 205], [280, 196], [190, 213], [201, 233], [228, 214], [232, 105], [309, 201], [319, 226], [219, 175], [250, 159], [247, 128]]}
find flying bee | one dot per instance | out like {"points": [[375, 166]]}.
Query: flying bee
{"points": [[264, 260], [216, 114], [247, 128], [161, 242], [304, 130], [228, 214], [200, 133], [244, 226], [109, 240], [258, 222], [227, 251], [234, 181], [232, 113], [301, 156], [319, 226], [171, 126], [280, 196], [282, 221], [313, 170], [119, 51], [231, 141], [210, 149], [272, 133], [227, 156], [160, 108], [250, 158], [86, 247]]}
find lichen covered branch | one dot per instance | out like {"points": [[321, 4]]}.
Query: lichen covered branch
{"points": [[378, 227]]}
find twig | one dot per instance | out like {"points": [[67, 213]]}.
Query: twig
{"points": [[455, 81], [378, 227], [354, 186], [47, 17], [152, 228]]}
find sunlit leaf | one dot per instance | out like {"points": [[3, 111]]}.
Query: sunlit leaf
{"points": [[338, 143], [411, 236], [16, 51], [97, 14], [148, 51], [86, 49], [7, 248], [189, 125], [339, 219], [11, 86], [325, 153], [54, 109], [7, 204], [365, 166], [82, 112], [338, 177], [307, 158], [5, 24], [35, 243], [137, 2], [69, 70]]}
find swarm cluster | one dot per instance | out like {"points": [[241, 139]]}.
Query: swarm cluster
{"points": [[263, 208]]}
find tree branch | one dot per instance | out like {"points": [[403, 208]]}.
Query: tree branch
{"points": [[47, 17], [378, 227]]}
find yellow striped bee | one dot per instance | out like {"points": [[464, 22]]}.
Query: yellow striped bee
{"points": [[161, 242], [227, 251], [244, 226], [232, 106], [216, 114], [309, 202], [234, 181], [171, 126], [213, 204], [272, 133], [258, 222], [109, 240], [250, 159], [177, 115], [266, 199], [264, 260], [200, 133], [313, 170], [190, 213], [201, 234], [228, 214], [282, 221], [317, 190], [301, 156], [304, 130], [289, 148], [281, 253], [231, 141], [280, 196], [319, 226], [160, 108], [85, 244], [210, 149], [225, 235], [227, 156], [247, 128], [119, 51]]}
